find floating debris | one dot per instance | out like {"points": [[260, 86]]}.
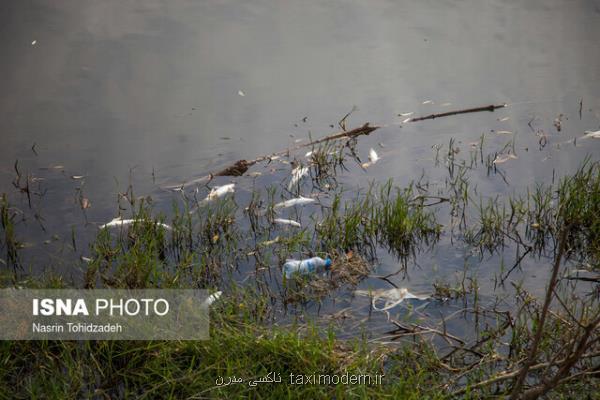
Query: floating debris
{"points": [[406, 114], [308, 154], [123, 222], [504, 132], [220, 191], [392, 297], [241, 93], [406, 120], [85, 203], [445, 104], [283, 221], [558, 122], [305, 267], [86, 259], [500, 159], [299, 201], [427, 102], [504, 119], [76, 177], [297, 174]]}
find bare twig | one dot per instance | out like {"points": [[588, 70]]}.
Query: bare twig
{"points": [[491, 107]]}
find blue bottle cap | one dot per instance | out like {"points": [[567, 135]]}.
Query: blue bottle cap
{"points": [[327, 262]]}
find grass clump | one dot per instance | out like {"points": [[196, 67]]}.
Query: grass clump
{"points": [[190, 369]]}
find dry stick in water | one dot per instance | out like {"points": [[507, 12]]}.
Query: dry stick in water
{"points": [[490, 108], [241, 166]]}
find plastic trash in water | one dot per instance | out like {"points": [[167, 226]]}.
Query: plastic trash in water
{"points": [[306, 267], [392, 297]]}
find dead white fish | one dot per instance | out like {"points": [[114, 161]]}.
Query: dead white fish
{"points": [[34, 42], [428, 102], [124, 222], [373, 156], [406, 120], [503, 119], [504, 158], [220, 191], [406, 114], [270, 242], [308, 154], [504, 132], [392, 297], [86, 259], [445, 104], [76, 177], [297, 174], [212, 298], [299, 201], [592, 134], [283, 221], [241, 93]]}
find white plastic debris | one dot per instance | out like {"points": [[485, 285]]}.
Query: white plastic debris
{"points": [[297, 174], [241, 93], [283, 221], [220, 191], [306, 267], [124, 222], [299, 201], [392, 297]]}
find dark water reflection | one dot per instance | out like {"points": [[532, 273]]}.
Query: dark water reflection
{"points": [[118, 90]]}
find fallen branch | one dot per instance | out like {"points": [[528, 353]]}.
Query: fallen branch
{"points": [[490, 108], [240, 167]]}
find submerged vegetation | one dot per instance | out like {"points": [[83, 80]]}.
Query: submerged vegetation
{"points": [[521, 345]]}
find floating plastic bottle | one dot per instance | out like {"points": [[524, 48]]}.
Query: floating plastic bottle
{"points": [[305, 267]]}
